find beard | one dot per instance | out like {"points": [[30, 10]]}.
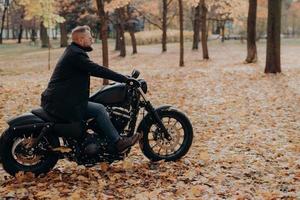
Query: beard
{"points": [[88, 49]]}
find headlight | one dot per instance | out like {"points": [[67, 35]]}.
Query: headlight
{"points": [[143, 85]]}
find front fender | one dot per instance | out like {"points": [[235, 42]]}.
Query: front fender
{"points": [[147, 118]]}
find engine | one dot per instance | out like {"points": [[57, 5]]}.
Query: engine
{"points": [[92, 148], [120, 118]]}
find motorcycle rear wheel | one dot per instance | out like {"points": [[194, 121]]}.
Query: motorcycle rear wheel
{"points": [[16, 158], [156, 147]]}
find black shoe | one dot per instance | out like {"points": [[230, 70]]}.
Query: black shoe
{"points": [[125, 142]]}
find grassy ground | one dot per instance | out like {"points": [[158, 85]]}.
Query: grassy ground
{"points": [[246, 125]]}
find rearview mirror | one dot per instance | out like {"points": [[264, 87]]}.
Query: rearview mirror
{"points": [[135, 73]]}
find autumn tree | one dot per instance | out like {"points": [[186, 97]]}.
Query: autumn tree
{"points": [[224, 11], [251, 32], [203, 10], [21, 26], [3, 20], [7, 24], [64, 10], [46, 11], [150, 10], [262, 14], [164, 24], [196, 26], [203, 29], [294, 14], [273, 63], [77, 12], [120, 13], [130, 26], [103, 15], [181, 57]]}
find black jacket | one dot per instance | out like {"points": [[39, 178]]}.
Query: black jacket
{"points": [[67, 94]]}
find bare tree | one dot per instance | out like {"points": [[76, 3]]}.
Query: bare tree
{"points": [[251, 32], [164, 26], [203, 29], [63, 34], [44, 36], [120, 26], [2, 23], [273, 63], [160, 22], [131, 29], [7, 24], [196, 27], [104, 26], [181, 59], [21, 28]]}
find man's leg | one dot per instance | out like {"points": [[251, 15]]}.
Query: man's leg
{"points": [[99, 112]]}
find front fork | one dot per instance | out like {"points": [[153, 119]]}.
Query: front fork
{"points": [[150, 109]]}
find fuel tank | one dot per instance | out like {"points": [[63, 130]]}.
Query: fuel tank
{"points": [[113, 94]]}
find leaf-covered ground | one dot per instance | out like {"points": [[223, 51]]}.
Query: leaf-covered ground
{"points": [[246, 127]]}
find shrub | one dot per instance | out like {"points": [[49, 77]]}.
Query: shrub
{"points": [[154, 37]]}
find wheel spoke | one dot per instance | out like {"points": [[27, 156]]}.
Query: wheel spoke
{"points": [[154, 145], [174, 125], [159, 150], [169, 120]]}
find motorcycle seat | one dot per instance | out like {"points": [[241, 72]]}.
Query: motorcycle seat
{"points": [[40, 112]]}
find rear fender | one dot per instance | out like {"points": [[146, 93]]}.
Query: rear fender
{"points": [[24, 119], [19, 123]]}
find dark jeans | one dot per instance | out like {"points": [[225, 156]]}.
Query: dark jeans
{"points": [[98, 111]]}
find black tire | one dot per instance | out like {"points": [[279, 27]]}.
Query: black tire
{"points": [[12, 166], [183, 148]]}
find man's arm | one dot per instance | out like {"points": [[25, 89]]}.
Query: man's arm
{"points": [[83, 62]]}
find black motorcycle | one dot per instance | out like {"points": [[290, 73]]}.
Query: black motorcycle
{"points": [[35, 141]]}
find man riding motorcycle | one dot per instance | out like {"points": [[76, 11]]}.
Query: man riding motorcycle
{"points": [[66, 96]]}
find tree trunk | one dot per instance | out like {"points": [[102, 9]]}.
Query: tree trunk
{"points": [[164, 26], [133, 42], [26, 34], [63, 34], [132, 32], [2, 24], [204, 30], [251, 32], [103, 20], [33, 31], [181, 59], [196, 26], [21, 27], [54, 31], [273, 63], [223, 31], [44, 36], [7, 25], [294, 25], [33, 35], [13, 32], [121, 16], [117, 44], [20, 36]]}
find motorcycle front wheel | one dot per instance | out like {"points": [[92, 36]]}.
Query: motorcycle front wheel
{"points": [[17, 157], [155, 146]]}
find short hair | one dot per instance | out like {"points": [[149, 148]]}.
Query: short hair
{"points": [[79, 29]]}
